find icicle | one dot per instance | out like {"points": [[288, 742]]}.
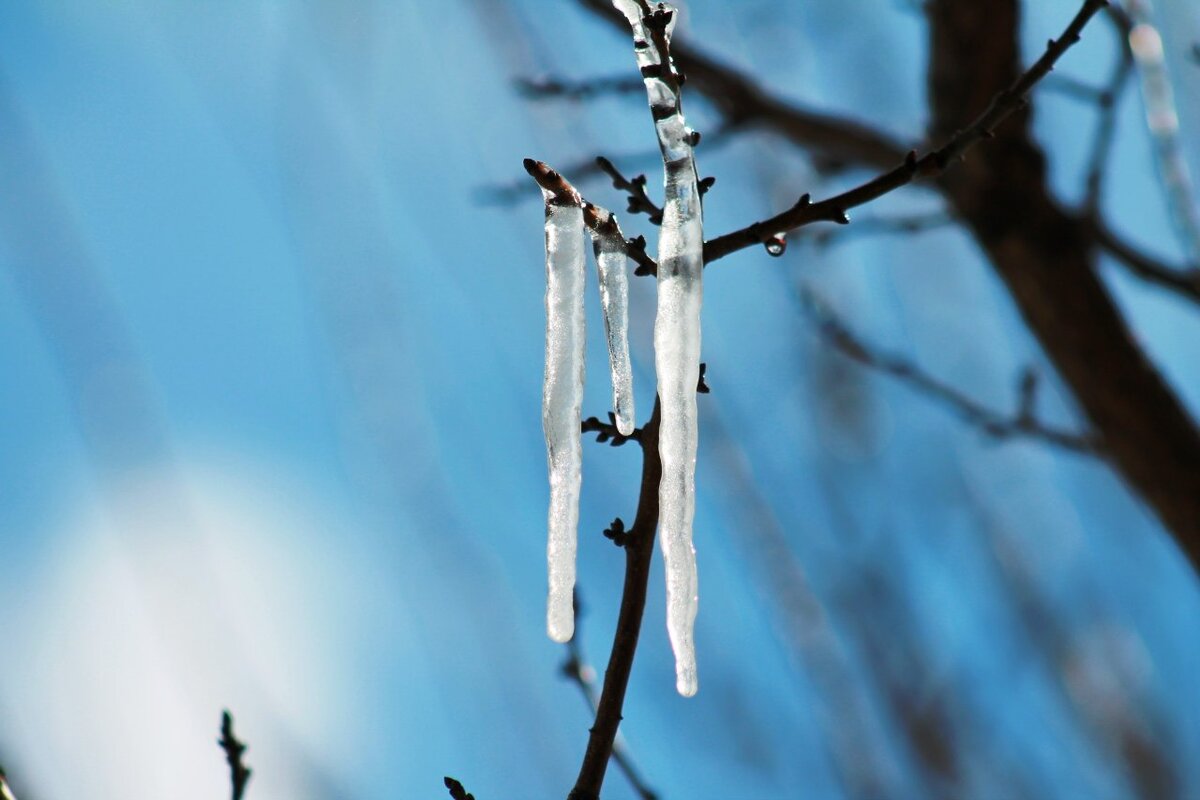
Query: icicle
{"points": [[676, 329], [562, 392], [609, 245]]}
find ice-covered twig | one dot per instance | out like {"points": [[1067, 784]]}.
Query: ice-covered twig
{"points": [[676, 325], [239, 773], [562, 389], [610, 249]]}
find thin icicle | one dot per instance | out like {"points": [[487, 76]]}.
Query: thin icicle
{"points": [[676, 327], [609, 245], [562, 391]]}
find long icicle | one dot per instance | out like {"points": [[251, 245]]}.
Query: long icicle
{"points": [[676, 326], [562, 391], [609, 245]]}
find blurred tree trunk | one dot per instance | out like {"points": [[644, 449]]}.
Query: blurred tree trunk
{"points": [[1045, 255]]}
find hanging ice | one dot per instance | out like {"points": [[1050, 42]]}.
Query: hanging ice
{"points": [[562, 393], [609, 245], [676, 328]]}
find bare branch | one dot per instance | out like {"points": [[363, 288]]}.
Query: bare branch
{"points": [[1106, 101], [576, 669], [639, 548], [239, 773], [639, 201], [931, 165], [1022, 424], [1185, 281]]}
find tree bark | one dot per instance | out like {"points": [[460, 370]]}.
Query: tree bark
{"points": [[1046, 258]]}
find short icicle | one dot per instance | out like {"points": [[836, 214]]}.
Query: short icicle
{"points": [[609, 245], [562, 391], [676, 327]]}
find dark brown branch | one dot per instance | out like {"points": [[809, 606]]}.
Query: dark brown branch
{"points": [[576, 669], [1185, 281], [607, 431], [559, 191], [239, 773], [1021, 424], [638, 551], [639, 201], [932, 165]]}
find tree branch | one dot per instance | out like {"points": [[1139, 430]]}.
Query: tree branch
{"points": [[1022, 424], [639, 548], [579, 672], [932, 165], [239, 773], [1185, 282]]}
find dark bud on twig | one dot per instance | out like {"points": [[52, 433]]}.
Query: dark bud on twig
{"points": [[457, 791], [701, 384], [706, 183], [616, 533]]}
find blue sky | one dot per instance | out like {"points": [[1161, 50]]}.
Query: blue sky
{"points": [[272, 383]]}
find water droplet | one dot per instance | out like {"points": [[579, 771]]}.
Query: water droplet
{"points": [[776, 245]]}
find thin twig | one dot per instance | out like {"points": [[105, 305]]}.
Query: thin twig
{"points": [[1106, 101], [639, 201], [576, 669], [607, 431], [639, 548], [1185, 281], [561, 191], [1021, 424], [239, 773], [931, 165]]}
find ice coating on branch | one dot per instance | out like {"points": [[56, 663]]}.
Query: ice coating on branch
{"points": [[676, 327], [609, 245], [562, 399]]}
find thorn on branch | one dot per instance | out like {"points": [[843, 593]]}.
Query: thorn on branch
{"points": [[607, 431], [457, 790], [239, 773], [639, 201]]}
